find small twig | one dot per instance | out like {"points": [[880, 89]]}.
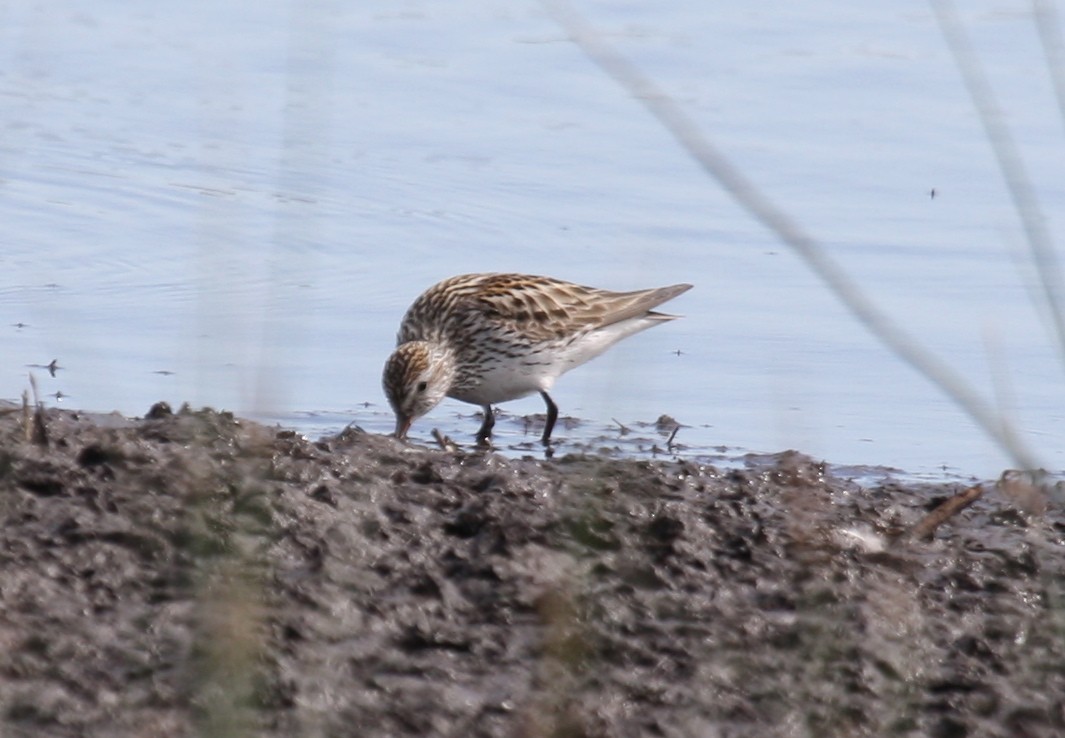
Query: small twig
{"points": [[40, 432], [669, 441], [621, 426], [944, 512], [445, 443], [26, 414]]}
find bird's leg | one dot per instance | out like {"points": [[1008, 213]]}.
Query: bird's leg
{"points": [[486, 427], [552, 416]]}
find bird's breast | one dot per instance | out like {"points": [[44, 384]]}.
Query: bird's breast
{"points": [[500, 378]]}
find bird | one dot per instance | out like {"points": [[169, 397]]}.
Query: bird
{"points": [[490, 338]]}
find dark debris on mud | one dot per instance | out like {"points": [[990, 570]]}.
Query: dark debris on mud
{"points": [[194, 574]]}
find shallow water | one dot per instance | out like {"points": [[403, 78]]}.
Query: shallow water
{"points": [[232, 205]]}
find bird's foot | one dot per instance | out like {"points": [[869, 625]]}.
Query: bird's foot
{"points": [[549, 450]]}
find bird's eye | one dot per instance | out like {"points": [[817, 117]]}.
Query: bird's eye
{"points": [[422, 386]]}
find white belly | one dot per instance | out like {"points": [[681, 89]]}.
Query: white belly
{"points": [[502, 384]]}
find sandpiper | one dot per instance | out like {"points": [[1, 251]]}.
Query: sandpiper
{"points": [[489, 338]]}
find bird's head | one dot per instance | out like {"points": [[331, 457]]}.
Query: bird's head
{"points": [[417, 377]]}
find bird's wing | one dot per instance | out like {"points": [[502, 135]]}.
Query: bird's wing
{"points": [[543, 307]]}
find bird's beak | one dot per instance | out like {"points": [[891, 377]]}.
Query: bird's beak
{"points": [[402, 425]]}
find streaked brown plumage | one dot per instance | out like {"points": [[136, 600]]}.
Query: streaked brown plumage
{"points": [[489, 338]]}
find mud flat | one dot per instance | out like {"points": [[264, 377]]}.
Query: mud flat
{"points": [[190, 573]]}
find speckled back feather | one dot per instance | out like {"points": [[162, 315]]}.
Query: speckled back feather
{"points": [[529, 308]]}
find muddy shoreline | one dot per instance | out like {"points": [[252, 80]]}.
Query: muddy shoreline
{"points": [[191, 573]]}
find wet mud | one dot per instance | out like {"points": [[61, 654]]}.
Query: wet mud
{"points": [[191, 573]]}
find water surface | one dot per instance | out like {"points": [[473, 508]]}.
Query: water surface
{"points": [[233, 204]]}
